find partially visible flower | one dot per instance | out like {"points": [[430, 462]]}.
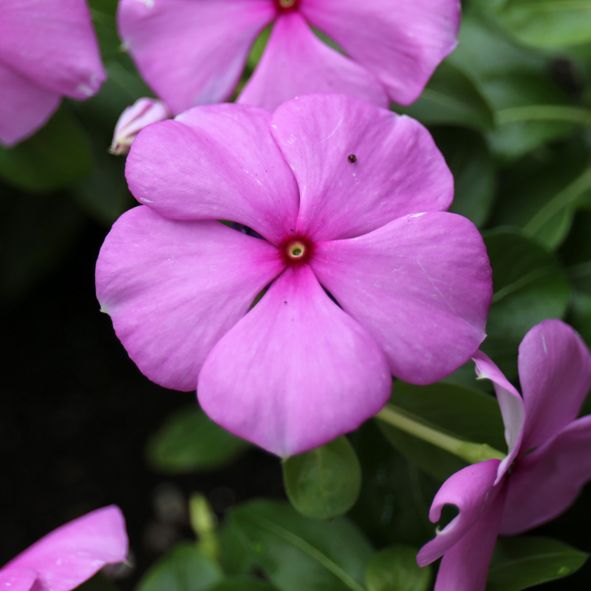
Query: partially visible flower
{"points": [[194, 52], [142, 113], [547, 465], [366, 275], [69, 555], [48, 50]]}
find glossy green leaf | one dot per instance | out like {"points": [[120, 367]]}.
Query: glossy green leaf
{"points": [[548, 24], [464, 413], [57, 156], [396, 569], [452, 98], [189, 441], [182, 569], [324, 482], [523, 562], [242, 584], [529, 286], [298, 553]]}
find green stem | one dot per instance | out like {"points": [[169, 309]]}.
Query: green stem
{"points": [[466, 450], [557, 113]]}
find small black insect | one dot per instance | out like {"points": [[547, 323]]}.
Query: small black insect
{"points": [[352, 158]]}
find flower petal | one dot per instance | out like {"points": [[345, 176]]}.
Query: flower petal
{"points": [[215, 162], [358, 167], [547, 481], [420, 285], [471, 491], [465, 566], [295, 372], [402, 46], [24, 108], [173, 289], [52, 44], [17, 579], [296, 62], [192, 53], [510, 403], [73, 553], [555, 375]]}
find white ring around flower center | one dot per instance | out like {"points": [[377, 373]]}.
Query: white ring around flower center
{"points": [[296, 250]]}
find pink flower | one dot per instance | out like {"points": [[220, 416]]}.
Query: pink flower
{"points": [[194, 52], [142, 113], [70, 555], [330, 188], [548, 456], [48, 50]]}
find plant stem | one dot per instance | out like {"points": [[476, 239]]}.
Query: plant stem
{"points": [[466, 450]]}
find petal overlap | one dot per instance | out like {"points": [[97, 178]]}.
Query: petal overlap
{"points": [[420, 285], [295, 372], [397, 168], [174, 288]]}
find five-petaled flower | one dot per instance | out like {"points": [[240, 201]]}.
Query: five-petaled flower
{"points": [[48, 50], [342, 205], [547, 464], [194, 51], [70, 555]]}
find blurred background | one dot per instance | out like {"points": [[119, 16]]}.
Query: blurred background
{"points": [[81, 427]]}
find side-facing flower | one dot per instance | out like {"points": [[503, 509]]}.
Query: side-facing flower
{"points": [[142, 113], [340, 205], [70, 555], [547, 464], [48, 50], [194, 53]]}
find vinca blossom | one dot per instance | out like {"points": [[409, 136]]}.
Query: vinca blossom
{"points": [[364, 275], [48, 50], [547, 464], [70, 555], [194, 52]]}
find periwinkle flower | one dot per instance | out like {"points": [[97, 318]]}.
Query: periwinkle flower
{"points": [[547, 465], [365, 274], [48, 50], [70, 555], [194, 52]]}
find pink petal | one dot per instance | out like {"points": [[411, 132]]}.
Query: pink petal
{"points": [[402, 44], [397, 168], [216, 162], [420, 285], [17, 579], [173, 289], [53, 44], [555, 375], [296, 62], [547, 481], [295, 372], [511, 405], [465, 566], [471, 491], [24, 108], [192, 52], [73, 553]]}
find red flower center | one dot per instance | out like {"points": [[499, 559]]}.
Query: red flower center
{"points": [[296, 251], [287, 5]]}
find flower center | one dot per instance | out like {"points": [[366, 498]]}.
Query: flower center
{"points": [[296, 251], [287, 5]]}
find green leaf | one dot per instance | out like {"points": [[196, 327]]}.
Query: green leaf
{"points": [[529, 286], [189, 441], [452, 98], [548, 24], [242, 584], [396, 569], [182, 569], [57, 156], [523, 562], [471, 163], [299, 553], [98, 583], [461, 412], [324, 482]]}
